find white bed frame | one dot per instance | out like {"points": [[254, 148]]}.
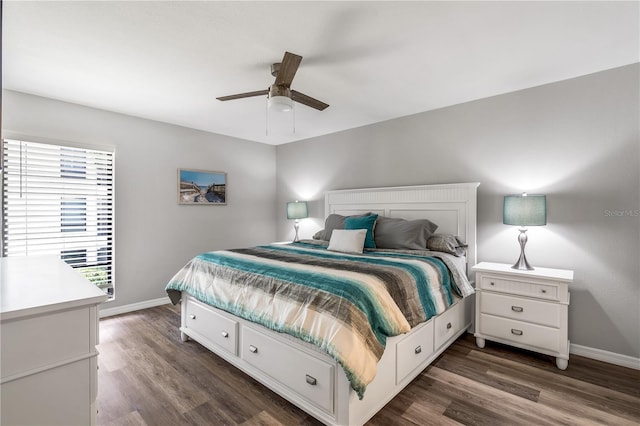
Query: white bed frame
{"points": [[308, 377]]}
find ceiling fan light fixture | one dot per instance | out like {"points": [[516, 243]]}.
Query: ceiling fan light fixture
{"points": [[280, 103], [280, 97]]}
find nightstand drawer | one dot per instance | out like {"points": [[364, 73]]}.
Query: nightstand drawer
{"points": [[521, 309], [522, 333], [529, 288]]}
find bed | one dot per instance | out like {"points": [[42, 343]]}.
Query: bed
{"points": [[301, 359]]}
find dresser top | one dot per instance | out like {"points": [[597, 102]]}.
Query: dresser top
{"points": [[34, 285], [503, 268]]}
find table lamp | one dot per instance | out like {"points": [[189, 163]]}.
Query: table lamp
{"points": [[524, 210], [297, 210]]}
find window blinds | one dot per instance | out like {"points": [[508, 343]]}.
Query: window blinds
{"points": [[59, 200]]}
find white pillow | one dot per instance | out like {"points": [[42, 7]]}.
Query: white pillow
{"points": [[347, 240]]}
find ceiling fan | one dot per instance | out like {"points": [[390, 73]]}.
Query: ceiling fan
{"points": [[280, 95]]}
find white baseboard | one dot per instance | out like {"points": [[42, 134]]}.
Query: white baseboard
{"points": [[606, 356], [133, 307]]}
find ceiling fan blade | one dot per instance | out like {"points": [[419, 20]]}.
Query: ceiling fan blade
{"points": [[308, 100], [243, 95], [288, 68]]}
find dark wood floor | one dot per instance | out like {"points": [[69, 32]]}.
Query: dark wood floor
{"points": [[148, 376]]}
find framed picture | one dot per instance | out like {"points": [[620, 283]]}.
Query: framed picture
{"points": [[200, 187]]}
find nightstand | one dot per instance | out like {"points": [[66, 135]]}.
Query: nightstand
{"points": [[526, 309]]}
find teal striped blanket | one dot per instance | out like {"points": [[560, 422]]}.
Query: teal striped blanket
{"points": [[345, 304]]}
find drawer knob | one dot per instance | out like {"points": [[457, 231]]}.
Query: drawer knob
{"points": [[253, 349], [492, 283], [516, 332], [192, 316], [517, 308], [448, 325], [311, 380], [543, 290], [225, 334], [418, 349]]}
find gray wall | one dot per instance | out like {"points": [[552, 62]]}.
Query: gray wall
{"points": [[154, 235], [576, 141]]}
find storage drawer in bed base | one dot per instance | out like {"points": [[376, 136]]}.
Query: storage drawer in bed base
{"points": [[315, 382], [218, 329], [304, 374]]}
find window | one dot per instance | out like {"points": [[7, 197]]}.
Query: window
{"points": [[59, 200]]}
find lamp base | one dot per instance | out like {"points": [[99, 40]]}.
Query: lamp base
{"points": [[522, 263], [296, 226]]}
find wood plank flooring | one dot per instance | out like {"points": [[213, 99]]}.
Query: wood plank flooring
{"points": [[148, 376]]}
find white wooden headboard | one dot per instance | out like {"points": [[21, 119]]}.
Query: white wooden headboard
{"points": [[451, 206]]}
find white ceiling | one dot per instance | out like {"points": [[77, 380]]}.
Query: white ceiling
{"points": [[371, 61]]}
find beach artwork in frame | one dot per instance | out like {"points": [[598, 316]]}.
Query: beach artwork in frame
{"points": [[200, 187]]}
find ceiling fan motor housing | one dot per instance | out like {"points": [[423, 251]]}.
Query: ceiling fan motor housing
{"points": [[279, 91]]}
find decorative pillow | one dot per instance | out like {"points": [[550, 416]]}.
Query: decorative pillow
{"points": [[333, 221], [447, 243], [347, 241], [366, 222], [395, 233]]}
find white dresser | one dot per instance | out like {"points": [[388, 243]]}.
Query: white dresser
{"points": [[527, 309], [48, 337]]}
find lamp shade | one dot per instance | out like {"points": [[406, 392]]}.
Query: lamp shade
{"points": [[525, 210], [297, 210]]}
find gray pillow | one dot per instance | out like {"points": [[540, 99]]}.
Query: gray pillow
{"points": [[447, 243], [334, 221], [395, 233]]}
